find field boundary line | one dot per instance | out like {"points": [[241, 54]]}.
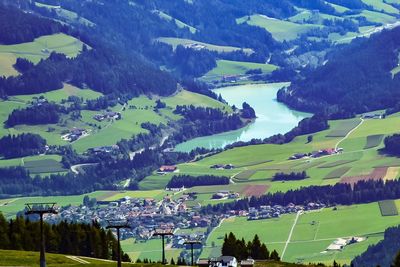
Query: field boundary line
{"points": [[75, 258], [290, 233], [349, 133]]}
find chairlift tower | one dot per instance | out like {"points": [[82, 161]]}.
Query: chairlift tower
{"points": [[192, 243], [41, 209], [118, 225], [163, 233]]}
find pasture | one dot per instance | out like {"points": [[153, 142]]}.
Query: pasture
{"points": [[281, 30], [174, 42], [228, 67], [312, 234], [150, 249], [41, 47]]}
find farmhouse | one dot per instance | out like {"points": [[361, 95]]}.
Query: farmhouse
{"points": [[223, 261], [107, 115], [104, 149], [167, 169], [372, 116], [74, 134]]}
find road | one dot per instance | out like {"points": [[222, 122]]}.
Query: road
{"points": [[291, 232], [349, 133], [74, 168]]}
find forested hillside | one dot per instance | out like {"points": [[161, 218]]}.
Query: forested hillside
{"points": [[357, 78]]}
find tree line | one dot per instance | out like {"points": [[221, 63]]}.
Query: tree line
{"points": [[293, 176], [241, 250], [338, 194], [384, 253], [46, 113], [330, 89], [79, 239], [178, 181], [26, 144], [392, 145]]}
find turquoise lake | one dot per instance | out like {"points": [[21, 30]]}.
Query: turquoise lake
{"points": [[272, 117]]}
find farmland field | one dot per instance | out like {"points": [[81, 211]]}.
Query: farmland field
{"points": [[388, 208], [227, 67], [41, 47], [186, 42], [337, 173], [313, 232], [281, 30], [344, 128], [373, 141]]}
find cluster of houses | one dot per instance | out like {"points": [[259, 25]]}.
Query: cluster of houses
{"points": [[340, 243], [225, 194], [373, 116], [222, 166], [143, 215], [267, 212], [224, 261], [103, 149], [38, 101], [74, 134], [107, 115], [317, 154]]}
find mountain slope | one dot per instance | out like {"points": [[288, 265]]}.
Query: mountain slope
{"points": [[355, 79]]}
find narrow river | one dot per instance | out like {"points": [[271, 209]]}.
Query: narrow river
{"points": [[272, 116]]}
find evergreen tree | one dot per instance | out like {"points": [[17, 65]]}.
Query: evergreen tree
{"points": [[396, 261], [275, 256]]}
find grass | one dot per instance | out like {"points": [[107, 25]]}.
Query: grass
{"points": [[313, 232], [150, 249], [29, 258], [44, 166], [189, 98], [281, 30], [388, 208], [228, 67], [212, 47], [41, 47], [156, 194], [7, 60], [344, 128], [336, 163], [337, 173], [380, 5], [373, 140], [178, 22]]}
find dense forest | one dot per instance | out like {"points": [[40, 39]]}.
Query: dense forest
{"points": [[188, 181], [293, 176], [26, 144], [243, 250], [330, 88], [338, 194], [64, 238], [383, 253], [25, 27], [46, 113], [392, 145]]}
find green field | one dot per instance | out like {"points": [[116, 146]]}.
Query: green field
{"points": [[227, 67], [281, 30], [150, 249], [178, 22], [28, 258], [41, 47], [337, 173], [374, 140], [388, 208], [381, 5], [186, 42], [313, 232]]}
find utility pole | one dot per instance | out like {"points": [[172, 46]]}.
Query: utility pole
{"points": [[163, 233], [41, 209], [118, 225], [192, 243]]}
